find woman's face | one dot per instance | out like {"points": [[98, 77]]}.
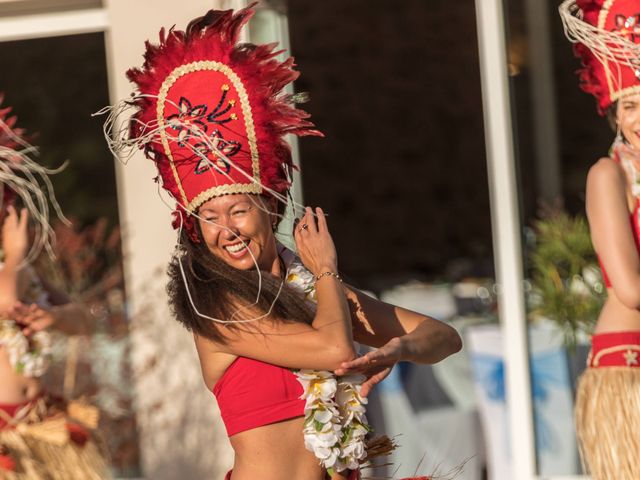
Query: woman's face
{"points": [[628, 118], [236, 226]]}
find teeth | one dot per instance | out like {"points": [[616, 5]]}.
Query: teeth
{"points": [[235, 248]]}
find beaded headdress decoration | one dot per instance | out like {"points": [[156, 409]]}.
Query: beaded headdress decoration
{"points": [[606, 34], [23, 177], [212, 114]]}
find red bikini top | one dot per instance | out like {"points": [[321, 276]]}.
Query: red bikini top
{"points": [[635, 229], [252, 393], [633, 219]]}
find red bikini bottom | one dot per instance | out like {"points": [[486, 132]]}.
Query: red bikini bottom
{"points": [[9, 410], [615, 349]]}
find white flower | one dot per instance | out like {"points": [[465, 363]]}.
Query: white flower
{"points": [[327, 439], [578, 287], [592, 276], [340, 465], [351, 463], [329, 456], [356, 450], [322, 416], [335, 424], [28, 358], [319, 404], [317, 384]]}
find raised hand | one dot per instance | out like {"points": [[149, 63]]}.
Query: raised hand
{"points": [[375, 365], [314, 243], [15, 239]]}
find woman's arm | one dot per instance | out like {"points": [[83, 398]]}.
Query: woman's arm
{"points": [[64, 315], [327, 341], [611, 234], [421, 339], [70, 318], [14, 245], [399, 334]]}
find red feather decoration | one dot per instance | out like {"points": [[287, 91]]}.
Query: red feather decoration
{"points": [[256, 70], [607, 83], [11, 138]]}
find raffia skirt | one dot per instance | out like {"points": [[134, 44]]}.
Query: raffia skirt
{"points": [[607, 410], [44, 443]]}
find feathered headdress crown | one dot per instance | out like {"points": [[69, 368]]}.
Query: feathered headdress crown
{"points": [[212, 113], [21, 176], [606, 34]]}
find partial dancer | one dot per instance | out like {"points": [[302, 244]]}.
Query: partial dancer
{"points": [[606, 34], [275, 331], [41, 437]]}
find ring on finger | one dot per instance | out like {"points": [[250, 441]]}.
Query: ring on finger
{"points": [[304, 226]]}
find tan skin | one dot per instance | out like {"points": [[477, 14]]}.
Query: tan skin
{"points": [[609, 205], [343, 314], [64, 316]]}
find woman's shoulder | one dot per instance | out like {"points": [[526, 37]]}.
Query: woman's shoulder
{"points": [[606, 173], [213, 361], [606, 165]]}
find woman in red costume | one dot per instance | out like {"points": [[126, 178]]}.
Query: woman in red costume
{"points": [[607, 36], [40, 438], [212, 115]]}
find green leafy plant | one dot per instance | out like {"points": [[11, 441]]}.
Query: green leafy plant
{"points": [[567, 283]]}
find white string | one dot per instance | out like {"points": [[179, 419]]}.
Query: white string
{"points": [[608, 47], [217, 320], [123, 147], [30, 181]]}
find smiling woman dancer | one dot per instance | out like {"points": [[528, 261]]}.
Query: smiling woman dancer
{"points": [[608, 397], [212, 115]]}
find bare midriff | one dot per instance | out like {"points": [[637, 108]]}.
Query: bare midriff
{"points": [[274, 452], [15, 388], [617, 317]]}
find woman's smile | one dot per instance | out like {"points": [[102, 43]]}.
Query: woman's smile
{"points": [[238, 229], [238, 250]]}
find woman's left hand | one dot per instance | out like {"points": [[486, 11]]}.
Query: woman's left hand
{"points": [[32, 317], [375, 365]]}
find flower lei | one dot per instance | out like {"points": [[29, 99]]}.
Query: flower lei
{"points": [[29, 356], [335, 424]]}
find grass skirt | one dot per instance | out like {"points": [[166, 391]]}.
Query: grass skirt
{"points": [[45, 448], [608, 422]]}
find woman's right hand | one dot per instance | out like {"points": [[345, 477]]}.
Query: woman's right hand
{"points": [[15, 239], [314, 243]]}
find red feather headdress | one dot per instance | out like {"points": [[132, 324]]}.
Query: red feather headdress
{"points": [[607, 40], [212, 113]]}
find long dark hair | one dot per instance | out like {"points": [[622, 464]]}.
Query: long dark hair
{"points": [[218, 290], [612, 116]]}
